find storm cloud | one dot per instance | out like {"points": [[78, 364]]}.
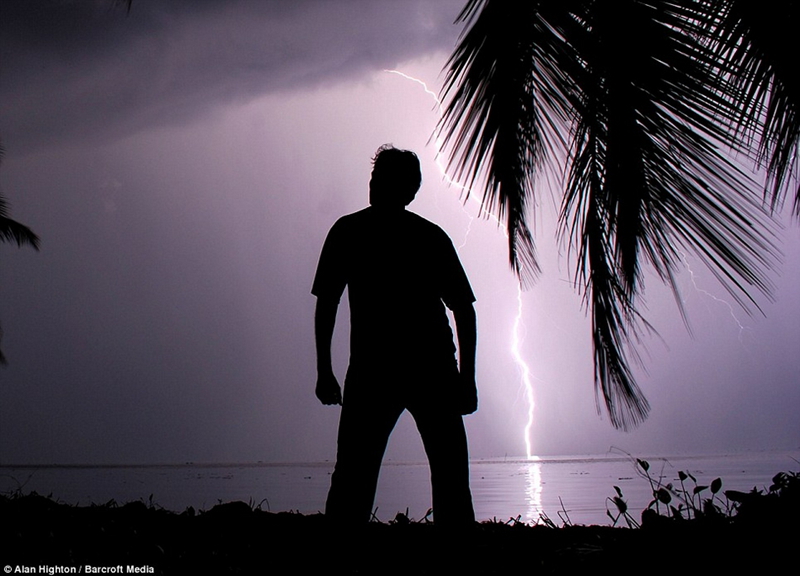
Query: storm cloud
{"points": [[91, 71]]}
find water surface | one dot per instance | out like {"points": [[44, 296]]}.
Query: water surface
{"points": [[573, 488]]}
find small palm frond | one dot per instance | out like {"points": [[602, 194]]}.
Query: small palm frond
{"points": [[13, 231]]}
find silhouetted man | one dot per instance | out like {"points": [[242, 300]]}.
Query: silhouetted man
{"points": [[400, 271]]}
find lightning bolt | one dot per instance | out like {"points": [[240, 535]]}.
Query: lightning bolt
{"points": [[518, 337], [518, 330], [725, 303], [428, 91]]}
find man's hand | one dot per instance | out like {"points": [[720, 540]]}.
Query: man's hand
{"points": [[466, 331], [328, 390], [466, 394]]}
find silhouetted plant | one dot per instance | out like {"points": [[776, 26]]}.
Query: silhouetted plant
{"points": [[13, 231], [622, 510], [691, 500], [779, 505], [686, 504], [643, 116]]}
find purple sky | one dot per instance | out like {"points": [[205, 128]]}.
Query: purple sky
{"points": [[182, 166]]}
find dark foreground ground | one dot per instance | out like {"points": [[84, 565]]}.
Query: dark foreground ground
{"points": [[40, 536]]}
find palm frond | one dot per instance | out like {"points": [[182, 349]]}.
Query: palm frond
{"points": [[647, 125], [501, 121], [755, 47], [647, 109]]}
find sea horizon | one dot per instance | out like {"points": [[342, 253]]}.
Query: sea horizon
{"points": [[505, 459]]}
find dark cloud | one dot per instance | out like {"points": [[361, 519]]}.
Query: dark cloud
{"points": [[89, 70]]}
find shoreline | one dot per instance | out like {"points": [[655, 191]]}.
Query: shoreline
{"points": [[574, 488], [236, 537]]}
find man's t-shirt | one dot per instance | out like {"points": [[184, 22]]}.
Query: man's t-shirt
{"points": [[400, 271]]}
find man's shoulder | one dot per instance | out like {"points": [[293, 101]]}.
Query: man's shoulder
{"points": [[420, 221], [347, 225], [426, 225], [352, 219], [429, 230]]}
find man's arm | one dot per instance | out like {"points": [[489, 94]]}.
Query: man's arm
{"points": [[467, 334], [328, 390]]}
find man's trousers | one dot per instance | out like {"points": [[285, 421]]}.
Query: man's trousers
{"points": [[370, 410]]}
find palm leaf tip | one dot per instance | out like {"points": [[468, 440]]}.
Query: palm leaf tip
{"points": [[13, 231], [624, 401]]}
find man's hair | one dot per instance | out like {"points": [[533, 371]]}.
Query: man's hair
{"points": [[396, 176]]}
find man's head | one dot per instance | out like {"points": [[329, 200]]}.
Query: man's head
{"points": [[396, 177]]}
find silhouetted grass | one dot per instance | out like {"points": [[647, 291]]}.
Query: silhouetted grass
{"points": [[693, 501], [686, 529]]}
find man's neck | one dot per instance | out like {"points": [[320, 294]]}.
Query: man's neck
{"points": [[388, 209]]}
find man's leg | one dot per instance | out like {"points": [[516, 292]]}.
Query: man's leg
{"points": [[364, 428], [445, 441]]}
